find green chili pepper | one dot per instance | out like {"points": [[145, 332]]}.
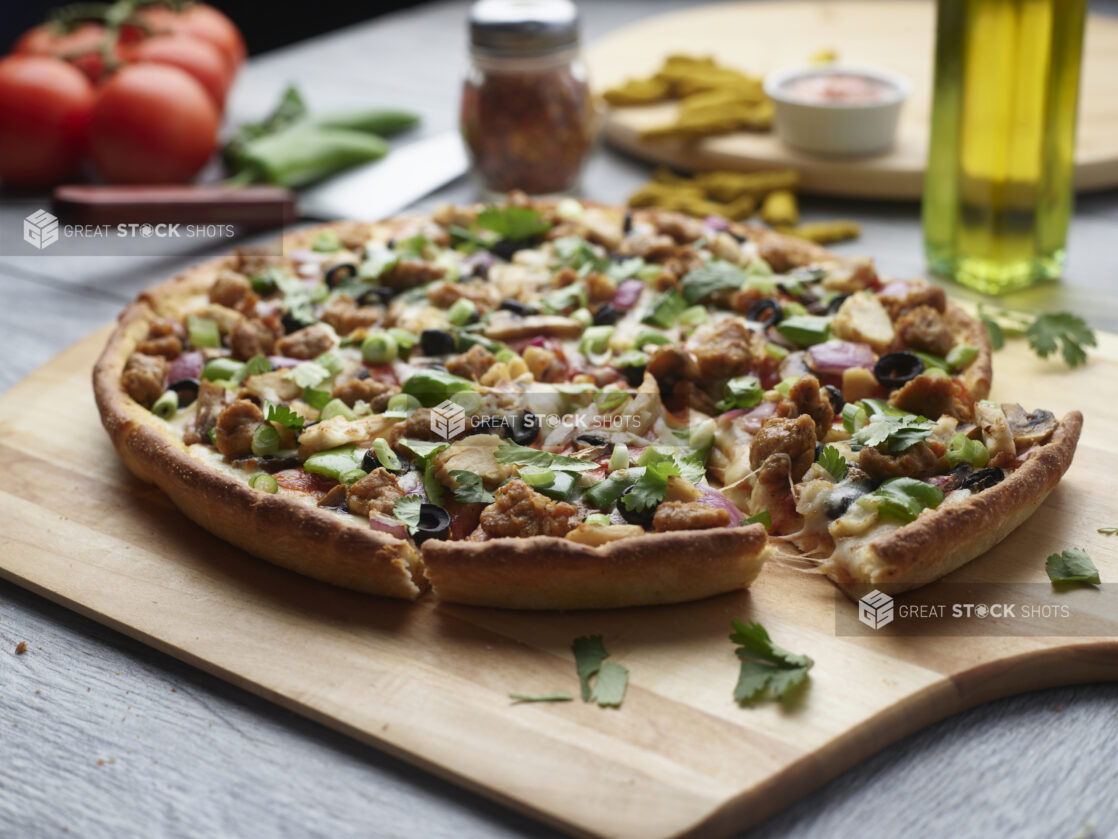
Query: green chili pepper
{"points": [[305, 153], [263, 482], [382, 121]]}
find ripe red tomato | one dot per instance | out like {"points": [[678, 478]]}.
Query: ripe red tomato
{"points": [[45, 107], [201, 59], [203, 22], [152, 124], [82, 47]]}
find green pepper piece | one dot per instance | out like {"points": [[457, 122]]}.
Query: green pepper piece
{"points": [[202, 332], [604, 494], [432, 386], [227, 369], [904, 498], [562, 488], [962, 449], [805, 330], [931, 362], [333, 463]]}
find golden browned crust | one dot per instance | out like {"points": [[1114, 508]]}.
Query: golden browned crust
{"points": [[297, 536], [545, 572], [943, 540]]}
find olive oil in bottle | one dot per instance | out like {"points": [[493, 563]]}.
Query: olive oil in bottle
{"points": [[998, 187]]}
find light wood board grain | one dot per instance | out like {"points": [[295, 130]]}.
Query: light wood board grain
{"points": [[429, 683], [898, 35]]}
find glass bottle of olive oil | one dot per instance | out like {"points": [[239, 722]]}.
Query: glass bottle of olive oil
{"points": [[998, 187]]}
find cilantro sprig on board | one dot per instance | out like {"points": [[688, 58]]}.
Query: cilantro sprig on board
{"points": [[1046, 332], [1072, 566], [765, 666]]}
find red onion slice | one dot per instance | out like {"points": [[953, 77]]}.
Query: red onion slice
{"points": [[835, 356], [714, 498], [627, 294], [393, 527], [281, 362], [186, 366]]}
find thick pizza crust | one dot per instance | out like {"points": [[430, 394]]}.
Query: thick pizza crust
{"points": [[544, 572], [943, 540]]}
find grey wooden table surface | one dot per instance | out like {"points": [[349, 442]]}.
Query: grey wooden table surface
{"points": [[103, 737]]}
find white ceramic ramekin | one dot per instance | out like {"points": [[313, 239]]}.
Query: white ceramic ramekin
{"points": [[837, 128]]}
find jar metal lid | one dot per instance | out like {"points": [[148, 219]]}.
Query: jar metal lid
{"points": [[523, 27]]}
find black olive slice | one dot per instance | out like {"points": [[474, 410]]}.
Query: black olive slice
{"points": [[606, 315], [434, 523], [765, 311], [272, 463], [589, 438], [363, 373], [634, 374], [641, 517], [895, 368], [834, 396], [518, 308], [836, 303], [340, 273], [370, 462], [627, 224], [982, 479], [376, 296], [842, 496], [187, 390], [437, 342], [523, 429]]}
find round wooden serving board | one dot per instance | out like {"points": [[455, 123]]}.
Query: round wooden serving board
{"points": [[767, 36]]}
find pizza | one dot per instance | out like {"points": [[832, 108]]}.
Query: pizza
{"points": [[560, 405]]}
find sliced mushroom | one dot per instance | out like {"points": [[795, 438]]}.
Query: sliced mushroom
{"points": [[1029, 429], [506, 326]]}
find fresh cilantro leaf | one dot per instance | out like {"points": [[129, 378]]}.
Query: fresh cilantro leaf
{"points": [[1072, 566], [764, 665], [626, 268], [740, 392], [513, 223], [693, 466], [650, 487], [470, 489], [411, 247], [309, 374], [589, 654], [665, 309], [609, 688], [378, 261], [899, 433], [422, 449], [525, 456], [558, 696], [284, 416], [255, 366], [563, 299], [762, 517], [832, 460], [575, 252], [994, 330], [317, 399], [1108, 531], [1068, 330], [406, 509], [716, 275]]}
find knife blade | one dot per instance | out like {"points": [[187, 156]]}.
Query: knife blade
{"points": [[367, 193], [377, 190]]}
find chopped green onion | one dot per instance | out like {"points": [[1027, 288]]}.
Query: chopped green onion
{"points": [[166, 405], [469, 400], [331, 362], [388, 458], [401, 405], [853, 416], [460, 313], [600, 519], [404, 340], [379, 348], [263, 482], [595, 343], [650, 336], [961, 356], [776, 352], [227, 369], [326, 241], [536, 476], [203, 332], [785, 385], [336, 408], [583, 316], [619, 458], [631, 358], [506, 355], [693, 316], [792, 308], [607, 400], [265, 440], [963, 449], [352, 476]]}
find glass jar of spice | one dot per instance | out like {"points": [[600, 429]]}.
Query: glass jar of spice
{"points": [[527, 113]]}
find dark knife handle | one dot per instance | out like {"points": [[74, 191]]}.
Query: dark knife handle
{"points": [[248, 206]]}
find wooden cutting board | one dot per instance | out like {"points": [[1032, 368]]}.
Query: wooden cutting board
{"points": [[898, 35], [429, 683]]}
